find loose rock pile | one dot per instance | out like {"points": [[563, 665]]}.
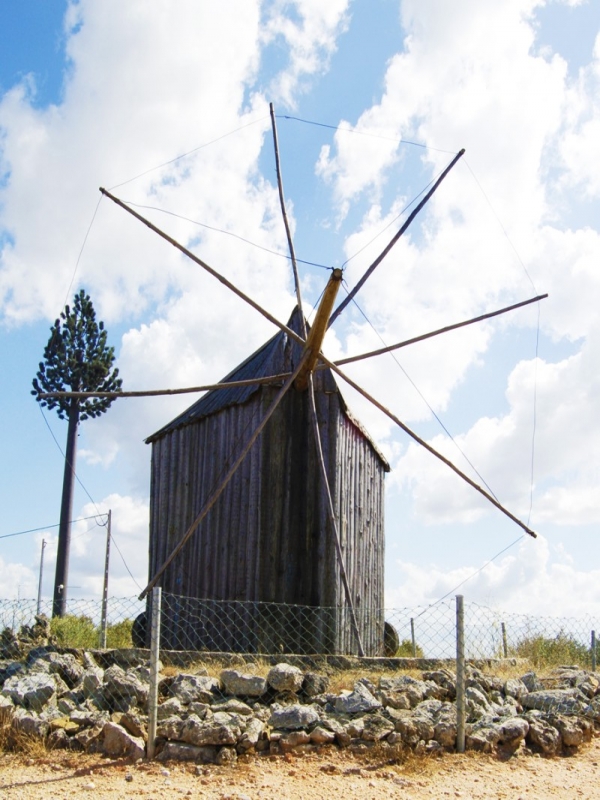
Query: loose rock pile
{"points": [[71, 701]]}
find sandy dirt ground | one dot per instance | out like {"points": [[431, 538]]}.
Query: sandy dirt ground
{"points": [[332, 775]]}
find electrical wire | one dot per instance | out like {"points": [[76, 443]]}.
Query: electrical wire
{"points": [[534, 425], [55, 525], [537, 340], [90, 497]]}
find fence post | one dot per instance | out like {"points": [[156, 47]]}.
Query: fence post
{"points": [[104, 620], [504, 642], [412, 637], [154, 655], [460, 675], [593, 651]]}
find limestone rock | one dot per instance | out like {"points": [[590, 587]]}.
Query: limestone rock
{"points": [[321, 735], [194, 688], [179, 751], [315, 684], [293, 717], [243, 685], [31, 691], [285, 678], [543, 736], [376, 727], [553, 700], [118, 742], [514, 687], [199, 733], [358, 701]]}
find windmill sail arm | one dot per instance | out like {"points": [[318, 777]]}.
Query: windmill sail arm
{"points": [[431, 449], [437, 332], [187, 390], [230, 473], [242, 295], [394, 239]]}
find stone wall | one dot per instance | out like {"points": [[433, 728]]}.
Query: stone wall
{"points": [[97, 702]]}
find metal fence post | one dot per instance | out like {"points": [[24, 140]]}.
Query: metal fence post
{"points": [[412, 637], [460, 675], [154, 656], [593, 651], [504, 642]]}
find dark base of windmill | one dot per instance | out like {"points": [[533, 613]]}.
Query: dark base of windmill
{"points": [[245, 627]]}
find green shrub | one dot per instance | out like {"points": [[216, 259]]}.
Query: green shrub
{"points": [[72, 631], [405, 650], [119, 634], [545, 651]]}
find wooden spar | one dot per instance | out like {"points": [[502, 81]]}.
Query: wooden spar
{"points": [[304, 378], [393, 241], [295, 337], [319, 329], [288, 233], [158, 392], [435, 333], [283, 375], [230, 473], [292, 334], [428, 447], [331, 512]]}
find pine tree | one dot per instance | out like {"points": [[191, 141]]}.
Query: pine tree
{"points": [[76, 359]]}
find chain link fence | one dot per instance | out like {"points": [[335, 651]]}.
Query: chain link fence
{"points": [[277, 628]]}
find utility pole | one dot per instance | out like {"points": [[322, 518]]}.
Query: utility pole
{"points": [[104, 624], [39, 597]]}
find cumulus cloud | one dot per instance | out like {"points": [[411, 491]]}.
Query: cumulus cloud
{"points": [[533, 578]]}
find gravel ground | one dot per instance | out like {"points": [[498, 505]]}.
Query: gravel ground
{"points": [[331, 775]]}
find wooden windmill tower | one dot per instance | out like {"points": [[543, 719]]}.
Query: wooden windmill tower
{"points": [[268, 492]]}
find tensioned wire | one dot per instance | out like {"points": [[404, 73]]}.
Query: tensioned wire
{"points": [[99, 514], [346, 130]]}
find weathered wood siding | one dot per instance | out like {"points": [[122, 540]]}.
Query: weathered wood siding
{"points": [[266, 551]]}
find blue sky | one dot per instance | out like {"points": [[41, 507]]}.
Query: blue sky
{"points": [[95, 93]]}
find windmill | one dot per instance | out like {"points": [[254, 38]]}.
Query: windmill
{"points": [[246, 438]]}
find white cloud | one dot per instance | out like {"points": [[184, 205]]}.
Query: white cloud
{"points": [[309, 29], [532, 579]]}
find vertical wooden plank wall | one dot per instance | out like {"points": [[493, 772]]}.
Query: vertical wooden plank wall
{"points": [[268, 538]]}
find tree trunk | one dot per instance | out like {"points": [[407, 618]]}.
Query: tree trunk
{"points": [[66, 512]]}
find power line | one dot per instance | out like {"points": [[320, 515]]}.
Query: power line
{"points": [[89, 495], [55, 525]]}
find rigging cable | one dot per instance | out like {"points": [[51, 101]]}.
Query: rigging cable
{"points": [[362, 133], [537, 339], [85, 238], [396, 218], [477, 571], [422, 396], [189, 153], [228, 233]]}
